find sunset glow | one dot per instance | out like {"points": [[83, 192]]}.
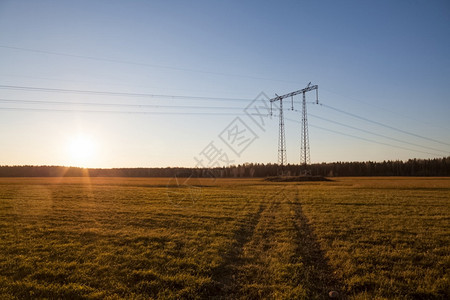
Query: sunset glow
{"points": [[82, 151]]}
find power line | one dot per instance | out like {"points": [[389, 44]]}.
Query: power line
{"points": [[126, 112], [118, 104], [175, 113], [139, 63], [388, 110], [192, 113], [102, 82], [172, 107], [367, 140], [377, 134], [383, 125], [90, 92], [204, 114], [376, 142], [27, 88]]}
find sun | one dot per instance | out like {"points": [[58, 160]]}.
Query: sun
{"points": [[81, 150]]}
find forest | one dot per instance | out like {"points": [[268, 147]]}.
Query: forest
{"points": [[411, 167]]}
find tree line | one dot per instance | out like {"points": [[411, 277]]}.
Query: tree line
{"points": [[411, 167]]}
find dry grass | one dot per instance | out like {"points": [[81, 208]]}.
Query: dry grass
{"points": [[159, 238]]}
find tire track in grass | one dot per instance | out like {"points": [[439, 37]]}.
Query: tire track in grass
{"points": [[319, 275], [224, 276], [255, 276], [275, 255]]}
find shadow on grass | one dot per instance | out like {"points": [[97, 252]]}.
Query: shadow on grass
{"points": [[224, 277], [319, 276], [316, 274]]}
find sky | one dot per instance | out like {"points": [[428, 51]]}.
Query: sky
{"points": [[177, 83]]}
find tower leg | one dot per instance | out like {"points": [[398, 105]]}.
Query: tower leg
{"points": [[304, 148], [281, 141]]}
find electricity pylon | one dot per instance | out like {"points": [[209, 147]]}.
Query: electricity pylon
{"points": [[305, 157], [281, 135], [304, 148], [282, 159]]}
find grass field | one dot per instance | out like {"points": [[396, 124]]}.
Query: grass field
{"points": [[158, 238]]}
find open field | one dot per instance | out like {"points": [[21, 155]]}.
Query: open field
{"points": [[227, 238]]}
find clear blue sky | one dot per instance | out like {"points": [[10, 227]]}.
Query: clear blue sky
{"points": [[384, 61]]}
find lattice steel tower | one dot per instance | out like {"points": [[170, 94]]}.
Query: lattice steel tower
{"points": [[304, 142], [305, 158], [282, 159], [281, 134]]}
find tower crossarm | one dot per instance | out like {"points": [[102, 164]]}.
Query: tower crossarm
{"points": [[307, 89]]}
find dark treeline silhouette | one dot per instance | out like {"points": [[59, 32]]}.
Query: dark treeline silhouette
{"points": [[412, 167]]}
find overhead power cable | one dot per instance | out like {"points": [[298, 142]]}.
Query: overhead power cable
{"points": [[368, 140], [377, 134], [201, 113], [127, 112], [90, 92], [195, 113], [117, 61], [38, 102], [382, 108], [383, 125]]}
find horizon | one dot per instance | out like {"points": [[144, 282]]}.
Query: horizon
{"points": [[230, 166]]}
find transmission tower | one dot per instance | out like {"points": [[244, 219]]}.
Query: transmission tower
{"points": [[305, 158], [281, 135], [281, 139], [304, 148]]}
